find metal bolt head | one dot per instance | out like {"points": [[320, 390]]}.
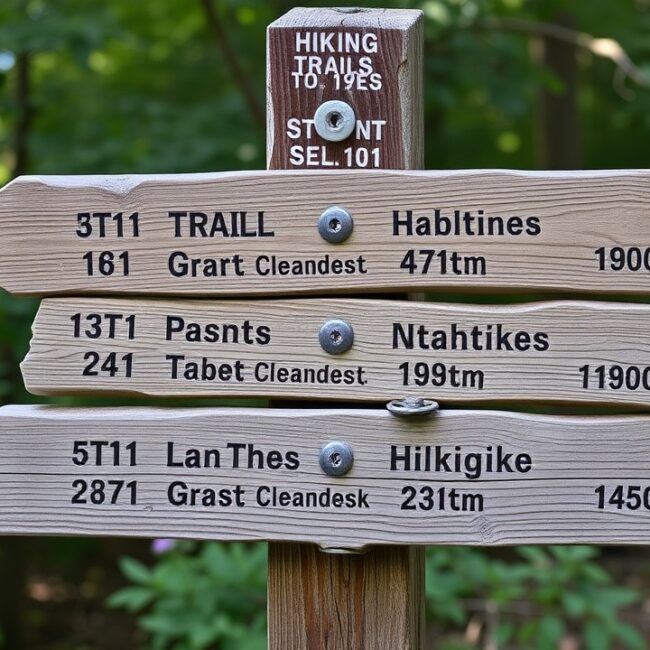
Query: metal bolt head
{"points": [[341, 550], [411, 406], [336, 458], [335, 225], [334, 120], [336, 336]]}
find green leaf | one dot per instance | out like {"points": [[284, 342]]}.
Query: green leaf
{"points": [[135, 571], [574, 553], [130, 598], [615, 597], [550, 632], [574, 604], [596, 574], [533, 554], [202, 635], [168, 625], [596, 636], [629, 635]]}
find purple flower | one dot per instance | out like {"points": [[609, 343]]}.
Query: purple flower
{"points": [[162, 545]]}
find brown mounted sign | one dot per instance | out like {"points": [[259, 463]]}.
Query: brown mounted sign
{"points": [[369, 60], [457, 477], [581, 352], [254, 233]]}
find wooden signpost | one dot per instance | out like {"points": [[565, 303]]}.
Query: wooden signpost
{"points": [[343, 210], [375, 599]]}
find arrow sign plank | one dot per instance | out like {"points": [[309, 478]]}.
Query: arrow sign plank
{"points": [[585, 352], [256, 232], [458, 477]]}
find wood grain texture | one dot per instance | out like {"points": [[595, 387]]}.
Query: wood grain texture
{"points": [[371, 604], [572, 213], [555, 501], [453, 353], [372, 60]]}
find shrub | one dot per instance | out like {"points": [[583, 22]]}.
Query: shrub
{"points": [[533, 602], [199, 596], [210, 595]]}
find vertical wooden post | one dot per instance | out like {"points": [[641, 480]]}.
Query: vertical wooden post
{"points": [[370, 59]]}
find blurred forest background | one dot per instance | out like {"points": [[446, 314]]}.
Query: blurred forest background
{"points": [[117, 86]]}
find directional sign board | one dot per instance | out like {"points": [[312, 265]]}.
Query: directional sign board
{"points": [[257, 232], [562, 351], [458, 477]]}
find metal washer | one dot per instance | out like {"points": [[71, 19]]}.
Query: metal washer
{"points": [[334, 120], [411, 406]]}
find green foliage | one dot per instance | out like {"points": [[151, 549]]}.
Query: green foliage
{"points": [[533, 602], [199, 596]]}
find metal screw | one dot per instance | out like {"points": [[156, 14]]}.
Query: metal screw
{"points": [[340, 550], [334, 120], [336, 336], [335, 225], [336, 458], [411, 406]]}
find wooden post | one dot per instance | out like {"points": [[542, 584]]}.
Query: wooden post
{"points": [[371, 59], [320, 600]]}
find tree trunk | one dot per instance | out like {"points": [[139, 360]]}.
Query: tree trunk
{"points": [[558, 132]]}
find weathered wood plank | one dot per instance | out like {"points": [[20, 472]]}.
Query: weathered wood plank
{"points": [[551, 231], [582, 352], [542, 484]]}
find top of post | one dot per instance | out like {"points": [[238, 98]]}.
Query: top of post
{"points": [[310, 17]]}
